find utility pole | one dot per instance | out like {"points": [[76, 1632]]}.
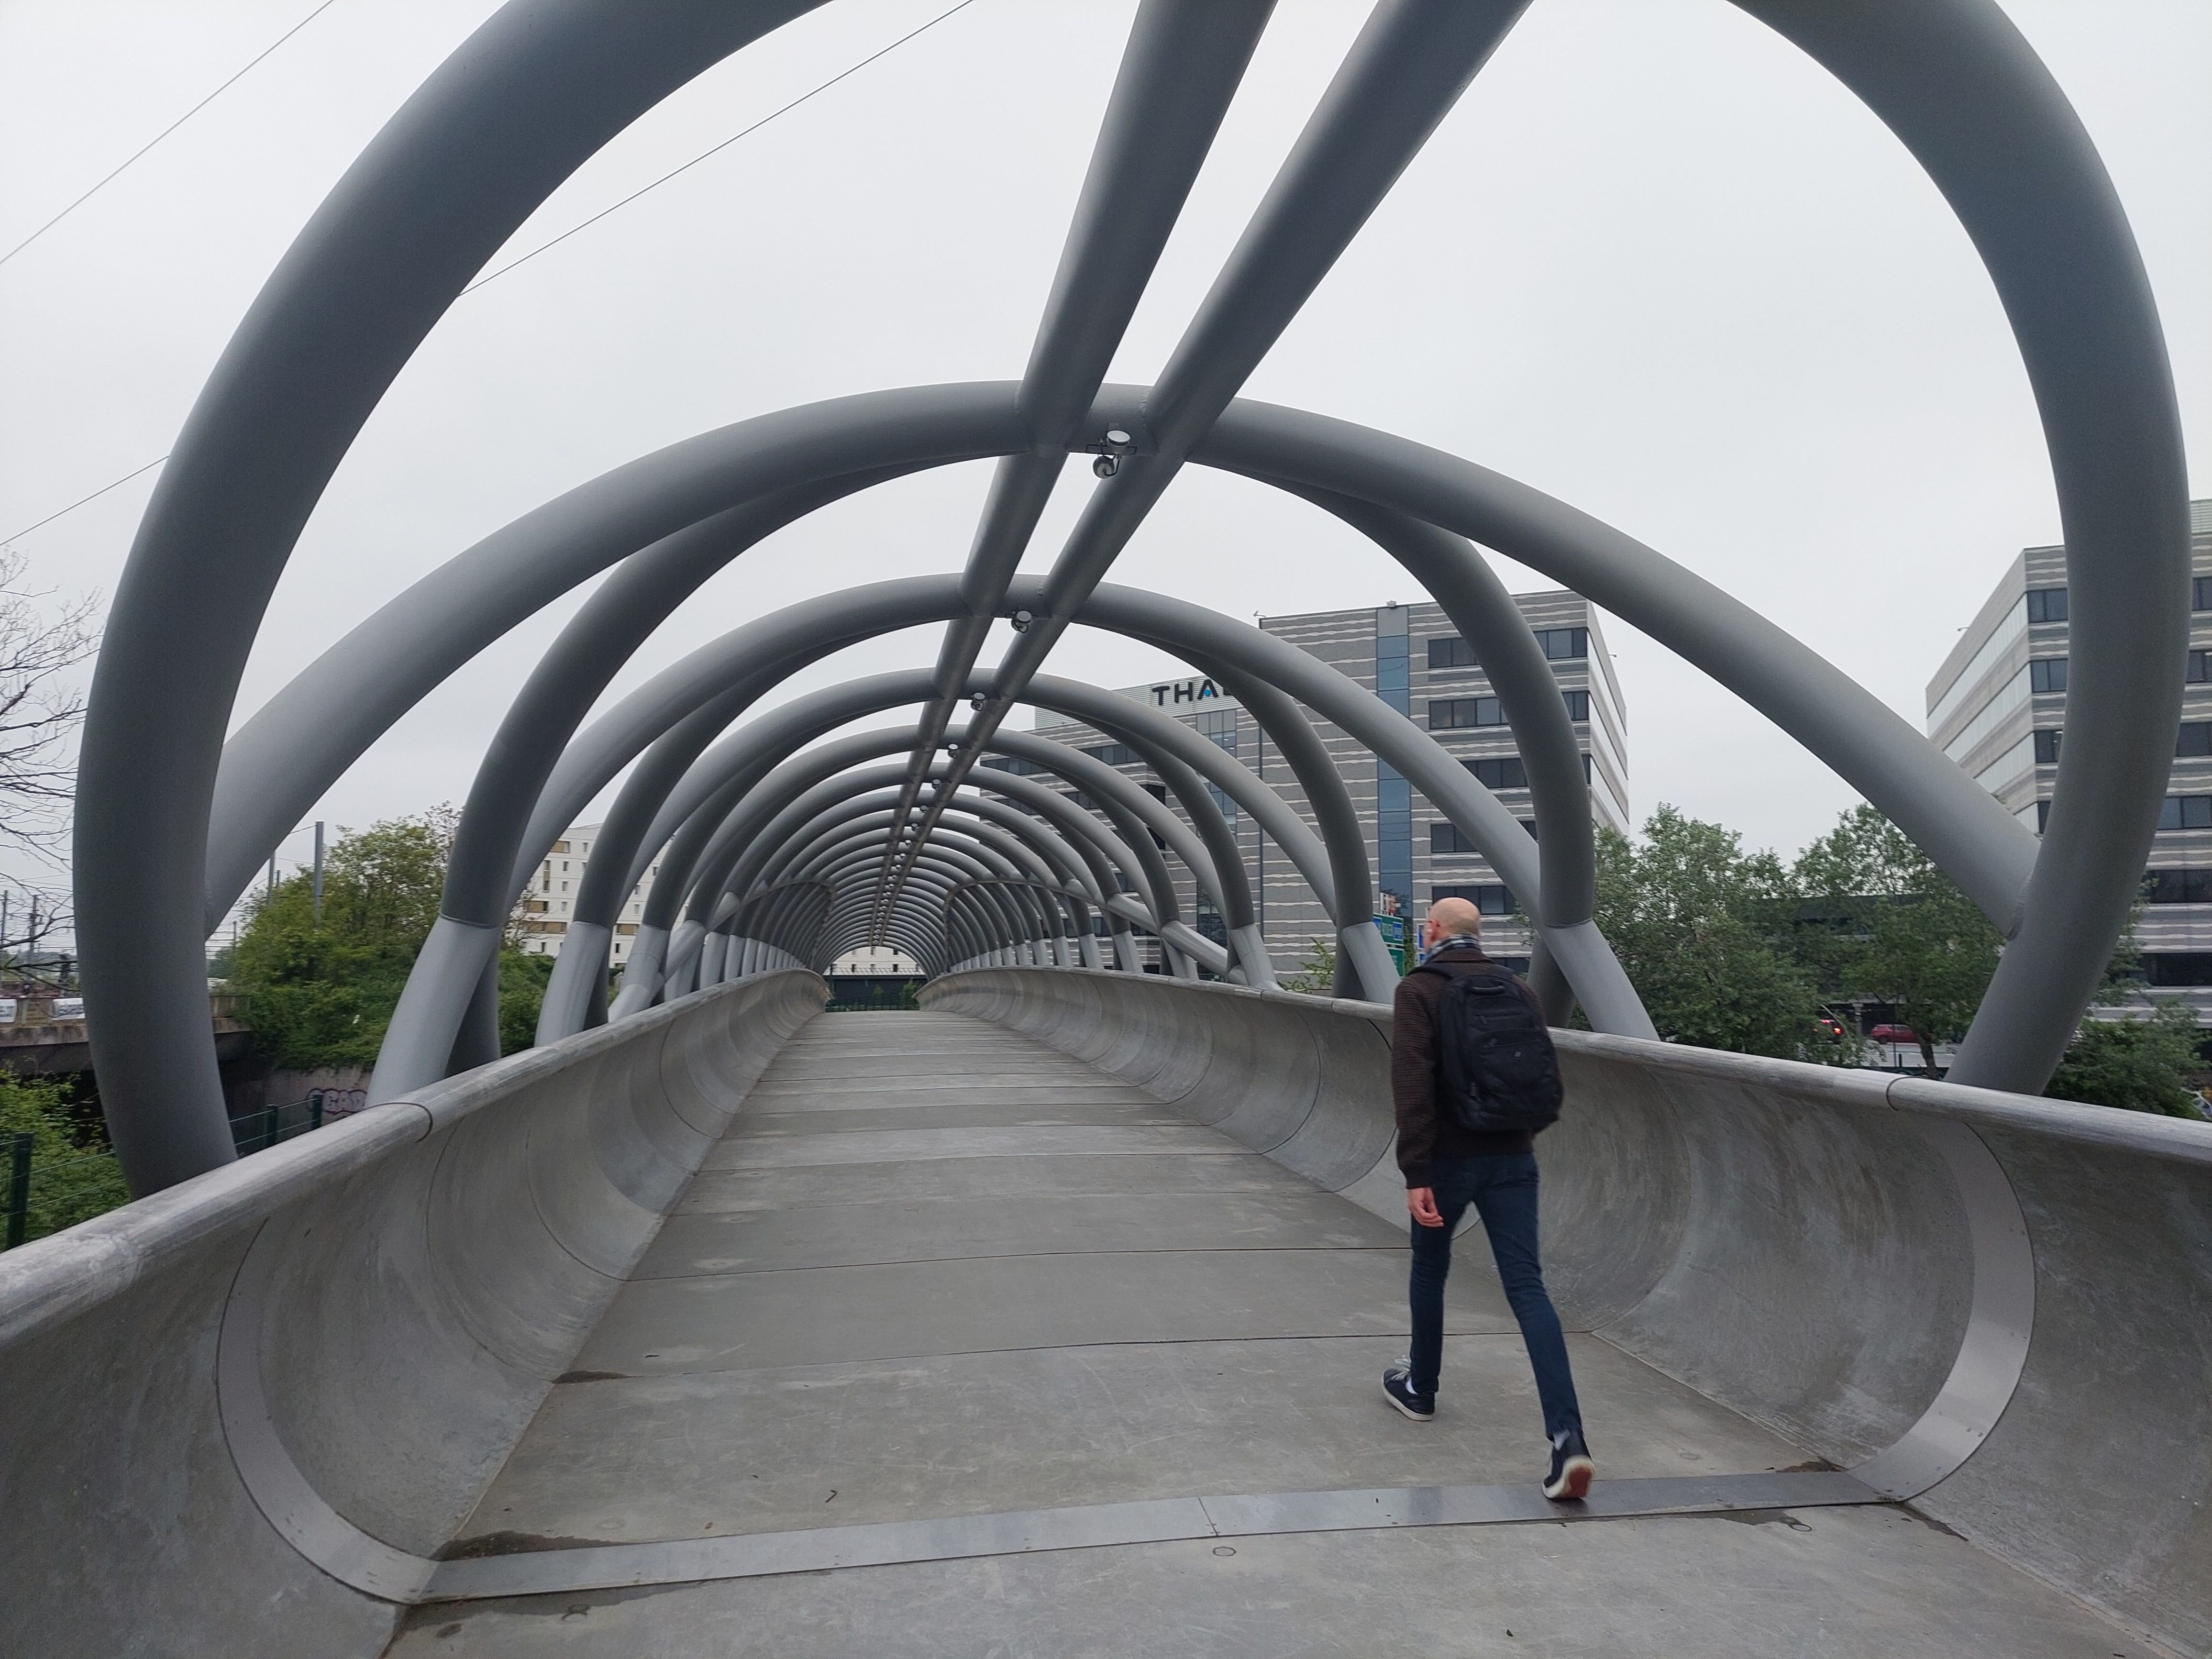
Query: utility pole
{"points": [[272, 875], [318, 872]]}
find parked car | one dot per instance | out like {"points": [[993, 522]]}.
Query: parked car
{"points": [[1893, 1034], [1831, 1028]]}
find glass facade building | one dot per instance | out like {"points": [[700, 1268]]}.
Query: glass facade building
{"points": [[1413, 659], [1997, 706]]}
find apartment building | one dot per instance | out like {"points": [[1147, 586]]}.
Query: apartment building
{"points": [[548, 902]]}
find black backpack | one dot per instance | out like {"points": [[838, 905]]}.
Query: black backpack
{"points": [[1497, 1071]]}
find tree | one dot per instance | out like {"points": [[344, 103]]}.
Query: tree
{"points": [[323, 992], [1702, 929], [73, 1174], [40, 708], [1317, 975], [1898, 930], [2139, 1065]]}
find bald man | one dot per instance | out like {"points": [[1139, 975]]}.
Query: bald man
{"points": [[1448, 1166]]}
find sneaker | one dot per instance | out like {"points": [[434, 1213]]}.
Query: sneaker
{"points": [[1398, 1389], [1571, 1468]]}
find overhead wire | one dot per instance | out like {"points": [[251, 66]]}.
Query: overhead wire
{"points": [[703, 155], [164, 133], [481, 281]]}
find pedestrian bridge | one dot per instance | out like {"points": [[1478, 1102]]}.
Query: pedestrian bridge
{"points": [[1050, 1319]]}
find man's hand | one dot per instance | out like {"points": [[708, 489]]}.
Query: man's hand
{"points": [[1421, 1205]]}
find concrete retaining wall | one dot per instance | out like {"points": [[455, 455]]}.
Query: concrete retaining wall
{"points": [[1998, 1306], [385, 1300]]}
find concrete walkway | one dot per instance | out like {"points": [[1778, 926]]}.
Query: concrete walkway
{"points": [[937, 1271]]}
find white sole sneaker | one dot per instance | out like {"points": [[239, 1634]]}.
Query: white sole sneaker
{"points": [[1405, 1411], [1574, 1482]]}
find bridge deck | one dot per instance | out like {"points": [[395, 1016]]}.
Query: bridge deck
{"points": [[937, 1270]]}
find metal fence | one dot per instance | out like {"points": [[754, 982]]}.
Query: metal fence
{"points": [[44, 1196]]}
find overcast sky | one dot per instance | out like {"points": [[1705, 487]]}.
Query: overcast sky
{"points": [[1656, 263]]}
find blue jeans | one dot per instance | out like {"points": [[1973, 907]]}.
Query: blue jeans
{"points": [[1504, 1192]]}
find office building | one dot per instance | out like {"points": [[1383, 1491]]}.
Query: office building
{"points": [[1413, 659], [1997, 706]]}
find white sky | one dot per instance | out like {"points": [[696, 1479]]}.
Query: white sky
{"points": [[1656, 263]]}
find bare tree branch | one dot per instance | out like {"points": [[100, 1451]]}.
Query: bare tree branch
{"points": [[40, 705]]}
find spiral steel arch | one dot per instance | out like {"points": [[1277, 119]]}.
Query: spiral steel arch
{"points": [[426, 205]]}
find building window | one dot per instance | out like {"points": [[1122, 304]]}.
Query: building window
{"points": [[1490, 899], [2178, 887], [2178, 967], [2185, 812], [1448, 714], [1114, 754], [1449, 651], [2049, 674], [1393, 834], [1393, 671], [2195, 738], [2199, 593], [2200, 668], [1020, 768], [1219, 725], [1506, 773], [1446, 838], [2046, 604], [1563, 644], [1578, 705], [2047, 746]]}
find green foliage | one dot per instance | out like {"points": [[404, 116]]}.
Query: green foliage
{"points": [[1883, 924], [323, 993], [522, 982], [74, 1176], [2141, 1065], [1703, 929], [1316, 974]]}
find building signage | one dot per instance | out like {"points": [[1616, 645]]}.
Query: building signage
{"points": [[1181, 696]]}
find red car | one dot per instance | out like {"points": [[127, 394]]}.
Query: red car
{"points": [[1893, 1034]]}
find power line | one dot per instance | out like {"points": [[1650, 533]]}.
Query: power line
{"points": [[74, 505], [163, 134], [785, 109], [718, 149]]}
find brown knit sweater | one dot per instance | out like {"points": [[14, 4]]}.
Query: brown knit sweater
{"points": [[1425, 1135]]}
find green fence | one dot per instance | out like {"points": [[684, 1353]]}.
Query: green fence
{"points": [[43, 1196]]}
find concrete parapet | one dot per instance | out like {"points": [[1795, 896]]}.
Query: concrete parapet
{"points": [[243, 1414], [1996, 1305]]}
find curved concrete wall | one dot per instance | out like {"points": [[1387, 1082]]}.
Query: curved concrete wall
{"points": [[2006, 1297], [265, 1397]]}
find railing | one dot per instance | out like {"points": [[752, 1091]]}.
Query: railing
{"points": [[44, 1197]]}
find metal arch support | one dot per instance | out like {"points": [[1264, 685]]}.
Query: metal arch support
{"points": [[814, 771], [1182, 65], [1460, 581], [343, 314], [1038, 848], [1092, 841], [1603, 988], [1408, 66], [413, 220]]}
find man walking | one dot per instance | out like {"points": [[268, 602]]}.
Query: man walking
{"points": [[1473, 1076]]}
